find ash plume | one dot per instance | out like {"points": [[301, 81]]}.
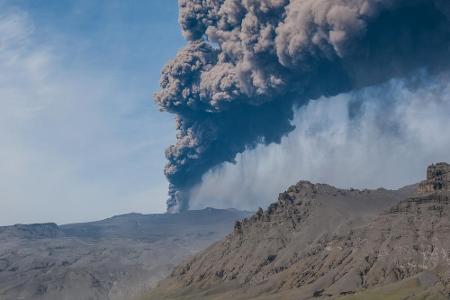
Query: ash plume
{"points": [[248, 63]]}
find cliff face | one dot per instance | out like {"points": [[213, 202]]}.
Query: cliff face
{"points": [[271, 241], [321, 242], [438, 179], [409, 239]]}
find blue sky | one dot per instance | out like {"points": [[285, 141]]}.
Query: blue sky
{"points": [[81, 138]]}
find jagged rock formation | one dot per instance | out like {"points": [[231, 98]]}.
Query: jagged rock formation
{"points": [[321, 242], [438, 178]]}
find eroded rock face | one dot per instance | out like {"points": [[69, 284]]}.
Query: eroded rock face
{"points": [[438, 179], [318, 241]]}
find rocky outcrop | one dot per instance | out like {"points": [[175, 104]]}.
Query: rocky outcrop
{"points": [[317, 241], [270, 241], [438, 179]]}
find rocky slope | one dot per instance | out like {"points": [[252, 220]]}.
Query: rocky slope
{"points": [[321, 242], [115, 258]]}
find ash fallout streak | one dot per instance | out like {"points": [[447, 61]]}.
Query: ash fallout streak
{"points": [[248, 63]]}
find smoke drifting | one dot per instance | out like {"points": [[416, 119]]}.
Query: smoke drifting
{"points": [[380, 136], [249, 63]]}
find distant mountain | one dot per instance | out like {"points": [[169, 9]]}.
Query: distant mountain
{"points": [[319, 242], [116, 258]]}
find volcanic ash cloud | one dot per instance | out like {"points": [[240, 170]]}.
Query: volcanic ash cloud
{"points": [[248, 63]]}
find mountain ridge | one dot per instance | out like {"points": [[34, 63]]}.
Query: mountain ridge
{"points": [[115, 258], [317, 241]]}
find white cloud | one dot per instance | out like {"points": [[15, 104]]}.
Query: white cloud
{"points": [[379, 137]]}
